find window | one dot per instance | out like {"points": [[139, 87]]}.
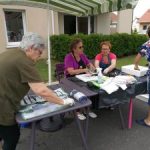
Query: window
{"points": [[92, 24], [144, 27], [69, 24], [83, 25], [74, 24], [15, 27]]}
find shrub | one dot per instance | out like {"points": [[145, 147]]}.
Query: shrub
{"points": [[123, 44]]}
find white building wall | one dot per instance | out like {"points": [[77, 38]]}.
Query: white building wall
{"points": [[141, 30], [125, 21], [36, 21], [103, 23], [56, 23], [61, 23]]}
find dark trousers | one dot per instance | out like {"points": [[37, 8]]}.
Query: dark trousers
{"points": [[10, 136]]}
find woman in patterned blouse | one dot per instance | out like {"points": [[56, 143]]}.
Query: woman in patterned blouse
{"points": [[145, 51]]}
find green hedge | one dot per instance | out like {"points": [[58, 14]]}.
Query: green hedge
{"points": [[122, 44]]}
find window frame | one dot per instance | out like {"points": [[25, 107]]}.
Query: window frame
{"points": [[14, 44], [144, 27], [89, 25]]}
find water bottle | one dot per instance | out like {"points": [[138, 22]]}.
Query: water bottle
{"points": [[78, 96], [100, 75]]}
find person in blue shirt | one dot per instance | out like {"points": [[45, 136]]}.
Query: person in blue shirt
{"points": [[145, 52]]}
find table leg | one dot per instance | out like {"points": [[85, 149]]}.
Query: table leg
{"points": [[121, 117], [81, 131], [86, 122], [130, 114], [32, 135]]}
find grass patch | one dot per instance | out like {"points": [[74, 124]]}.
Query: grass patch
{"points": [[129, 60], [42, 66], [43, 69]]}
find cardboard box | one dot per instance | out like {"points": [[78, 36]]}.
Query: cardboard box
{"points": [[129, 69]]}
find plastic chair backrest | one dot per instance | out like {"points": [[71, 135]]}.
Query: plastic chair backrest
{"points": [[59, 71]]}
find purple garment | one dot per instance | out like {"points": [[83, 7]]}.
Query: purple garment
{"points": [[70, 61]]}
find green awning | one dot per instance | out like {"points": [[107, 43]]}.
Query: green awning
{"points": [[77, 7]]}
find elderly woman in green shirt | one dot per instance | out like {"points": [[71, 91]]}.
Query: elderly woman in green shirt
{"points": [[18, 75]]}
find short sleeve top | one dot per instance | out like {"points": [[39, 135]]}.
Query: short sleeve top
{"points": [[70, 61], [144, 50], [17, 70], [99, 57]]}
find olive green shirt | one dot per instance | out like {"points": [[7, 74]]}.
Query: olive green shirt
{"points": [[16, 71]]}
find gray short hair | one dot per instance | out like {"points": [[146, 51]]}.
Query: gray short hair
{"points": [[32, 39]]}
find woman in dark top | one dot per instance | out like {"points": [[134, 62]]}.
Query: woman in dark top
{"points": [[76, 62]]}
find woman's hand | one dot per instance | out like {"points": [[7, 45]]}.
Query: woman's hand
{"points": [[69, 101], [136, 67], [106, 71], [91, 68], [86, 70]]}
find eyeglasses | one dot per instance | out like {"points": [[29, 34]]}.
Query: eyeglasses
{"points": [[40, 51], [104, 48], [81, 47]]}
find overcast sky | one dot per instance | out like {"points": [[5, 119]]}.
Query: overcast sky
{"points": [[141, 7]]}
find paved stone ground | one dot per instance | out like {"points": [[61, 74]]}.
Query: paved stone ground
{"points": [[104, 133]]}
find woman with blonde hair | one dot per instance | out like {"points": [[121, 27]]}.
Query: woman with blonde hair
{"points": [[105, 59]]}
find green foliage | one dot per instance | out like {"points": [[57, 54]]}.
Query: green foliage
{"points": [[122, 44], [60, 46], [129, 60], [42, 67]]}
